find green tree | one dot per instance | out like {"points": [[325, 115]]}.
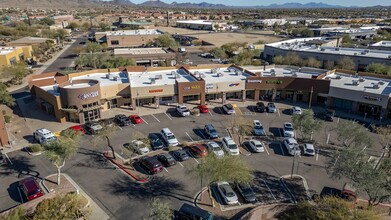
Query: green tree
{"points": [[384, 133], [352, 134], [328, 208], [5, 97], [92, 47], [17, 71], [218, 53], [346, 63], [69, 206], [379, 68], [166, 40], [279, 60], [61, 150], [306, 124], [369, 176], [312, 62], [47, 21], [72, 25], [159, 210], [293, 58], [16, 214]]}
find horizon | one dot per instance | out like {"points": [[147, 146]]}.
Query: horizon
{"points": [[348, 3]]}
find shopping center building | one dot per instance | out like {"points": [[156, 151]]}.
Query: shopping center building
{"points": [[83, 96]]}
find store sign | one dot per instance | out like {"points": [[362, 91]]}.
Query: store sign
{"points": [[254, 81], [274, 81], [88, 95], [155, 90], [371, 98], [209, 86], [191, 87], [234, 84]]}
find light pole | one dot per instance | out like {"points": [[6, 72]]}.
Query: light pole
{"points": [[310, 101], [293, 165]]}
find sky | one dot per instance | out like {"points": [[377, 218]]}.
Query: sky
{"points": [[262, 2]]}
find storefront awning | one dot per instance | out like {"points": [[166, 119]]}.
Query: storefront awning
{"points": [[71, 110], [323, 95], [91, 108], [113, 97]]}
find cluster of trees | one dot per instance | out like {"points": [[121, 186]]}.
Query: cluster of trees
{"points": [[165, 40], [18, 30], [68, 206], [306, 124], [236, 54], [379, 68]]}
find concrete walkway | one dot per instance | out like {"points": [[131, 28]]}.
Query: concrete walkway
{"points": [[39, 70]]}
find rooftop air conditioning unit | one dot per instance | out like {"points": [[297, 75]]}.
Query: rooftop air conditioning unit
{"points": [[177, 76], [363, 53], [220, 75], [196, 73], [355, 82], [366, 51], [389, 57], [173, 73], [158, 77], [381, 82], [338, 77], [355, 54], [115, 78], [376, 86], [153, 81], [361, 80], [202, 75], [273, 74], [322, 49], [337, 48]]}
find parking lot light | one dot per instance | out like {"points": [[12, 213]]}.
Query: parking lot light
{"points": [[293, 165]]}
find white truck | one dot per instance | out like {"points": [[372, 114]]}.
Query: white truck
{"points": [[183, 110], [43, 136]]}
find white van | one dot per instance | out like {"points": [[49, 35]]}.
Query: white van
{"points": [[43, 136], [169, 137]]}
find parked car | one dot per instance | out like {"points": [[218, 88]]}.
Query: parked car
{"points": [[93, 127], [246, 192], [155, 141], [107, 122], [135, 119], [183, 110], [30, 188], [2, 160], [122, 120], [215, 148], [166, 159], [288, 130], [169, 137], [211, 131], [151, 164], [327, 115], [271, 108], [349, 192], [139, 147], [228, 109], [78, 128], [292, 146], [309, 149], [44, 136], [189, 212], [227, 193], [199, 150], [261, 107], [180, 155], [257, 146], [203, 108], [296, 110], [230, 146], [258, 128]]}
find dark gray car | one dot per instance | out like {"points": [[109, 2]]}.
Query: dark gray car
{"points": [[246, 192]]}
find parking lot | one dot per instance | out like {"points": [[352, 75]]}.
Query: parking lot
{"points": [[113, 190]]}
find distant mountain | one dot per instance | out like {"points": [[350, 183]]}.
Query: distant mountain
{"points": [[122, 2], [155, 3], [198, 5], [299, 5]]}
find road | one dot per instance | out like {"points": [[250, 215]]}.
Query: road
{"points": [[66, 59]]}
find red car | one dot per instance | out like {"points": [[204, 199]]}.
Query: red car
{"points": [[199, 150], [78, 128], [135, 119], [203, 108], [30, 188]]}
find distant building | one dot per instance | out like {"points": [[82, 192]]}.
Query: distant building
{"points": [[354, 33], [12, 55], [200, 25], [124, 22], [328, 53], [29, 41], [271, 22], [127, 38], [147, 56], [381, 45]]}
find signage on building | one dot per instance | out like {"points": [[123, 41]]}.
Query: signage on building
{"points": [[209, 86], [88, 95], [191, 87], [155, 90], [254, 81], [274, 81], [371, 98], [234, 84]]}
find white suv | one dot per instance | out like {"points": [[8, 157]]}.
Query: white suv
{"points": [[183, 110], [230, 146], [292, 146], [169, 137], [288, 130]]}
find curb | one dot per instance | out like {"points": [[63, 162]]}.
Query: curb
{"points": [[31, 153], [305, 184], [197, 195], [127, 172]]}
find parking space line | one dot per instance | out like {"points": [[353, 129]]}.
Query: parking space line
{"points": [[165, 169], [267, 114], [210, 113], [144, 120], [180, 163], [189, 136], [254, 110], [202, 135], [120, 128], [267, 151], [270, 190], [317, 155], [20, 195], [155, 118], [8, 159], [237, 110], [167, 116], [279, 131], [282, 150], [278, 110]]}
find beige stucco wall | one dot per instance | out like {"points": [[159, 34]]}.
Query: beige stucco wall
{"points": [[357, 96], [152, 91], [225, 86]]}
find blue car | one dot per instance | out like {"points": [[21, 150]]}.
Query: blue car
{"points": [[211, 131]]}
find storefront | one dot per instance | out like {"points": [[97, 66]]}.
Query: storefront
{"points": [[153, 96], [191, 92]]}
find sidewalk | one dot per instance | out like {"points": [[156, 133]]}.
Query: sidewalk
{"points": [[40, 70]]}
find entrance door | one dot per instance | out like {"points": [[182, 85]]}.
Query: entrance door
{"points": [[91, 115], [112, 104]]}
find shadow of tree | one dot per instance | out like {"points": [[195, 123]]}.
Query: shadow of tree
{"points": [[157, 187]]}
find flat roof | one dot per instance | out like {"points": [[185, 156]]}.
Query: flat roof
{"points": [[163, 77], [30, 40], [139, 51], [363, 83], [303, 44], [383, 43], [131, 32], [217, 75], [284, 72], [195, 22], [136, 23], [7, 50]]}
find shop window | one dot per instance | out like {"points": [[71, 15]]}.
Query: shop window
{"points": [[299, 97], [166, 99], [114, 42], [13, 61]]}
